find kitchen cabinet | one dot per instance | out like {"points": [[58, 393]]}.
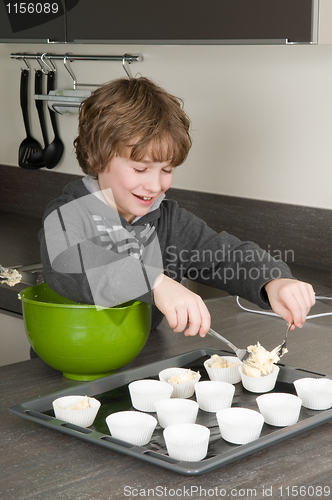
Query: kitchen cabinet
{"points": [[32, 21], [193, 21], [171, 22], [14, 344]]}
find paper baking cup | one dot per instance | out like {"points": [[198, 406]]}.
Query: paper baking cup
{"points": [[132, 426], [240, 425], [316, 393], [83, 418], [144, 393], [230, 374], [213, 395], [265, 383], [176, 411], [279, 409], [187, 442], [181, 390]]}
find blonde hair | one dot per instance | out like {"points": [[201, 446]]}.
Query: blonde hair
{"points": [[136, 114]]}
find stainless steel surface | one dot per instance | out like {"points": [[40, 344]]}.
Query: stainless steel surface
{"points": [[242, 354]]}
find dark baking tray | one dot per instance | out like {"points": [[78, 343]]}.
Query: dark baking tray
{"points": [[113, 393]]}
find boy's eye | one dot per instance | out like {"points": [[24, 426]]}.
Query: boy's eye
{"points": [[140, 170], [168, 170]]}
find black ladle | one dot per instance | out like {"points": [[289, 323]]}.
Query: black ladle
{"points": [[38, 158], [29, 145], [54, 151]]}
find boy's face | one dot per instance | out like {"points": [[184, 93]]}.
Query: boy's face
{"points": [[135, 185]]}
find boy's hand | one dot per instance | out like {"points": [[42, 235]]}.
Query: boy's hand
{"points": [[291, 299], [181, 307]]}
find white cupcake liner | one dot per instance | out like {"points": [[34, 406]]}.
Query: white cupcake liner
{"points": [[214, 395], [144, 393], [279, 409], [265, 383], [180, 390], [230, 374], [176, 411], [84, 418], [187, 442], [316, 393], [240, 425], [132, 426]]}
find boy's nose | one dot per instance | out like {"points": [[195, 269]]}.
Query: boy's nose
{"points": [[153, 183]]}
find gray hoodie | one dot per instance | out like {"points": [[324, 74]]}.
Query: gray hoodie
{"points": [[92, 255]]}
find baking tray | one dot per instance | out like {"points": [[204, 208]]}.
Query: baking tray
{"points": [[113, 393]]}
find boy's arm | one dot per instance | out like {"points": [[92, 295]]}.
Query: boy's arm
{"points": [[240, 268], [185, 310]]}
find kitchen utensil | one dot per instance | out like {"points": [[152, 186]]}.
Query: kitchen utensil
{"points": [[54, 151], [29, 145], [282, 347], [242, 354], [81, 340], [38, 157], [9, 276]]}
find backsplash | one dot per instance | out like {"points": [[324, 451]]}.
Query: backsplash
{"points": [[297, 234]]}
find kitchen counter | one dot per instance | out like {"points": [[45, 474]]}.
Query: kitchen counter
{"points": [[40, 464]]}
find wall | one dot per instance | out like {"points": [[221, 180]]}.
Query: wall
{"points": [[261, 115]]}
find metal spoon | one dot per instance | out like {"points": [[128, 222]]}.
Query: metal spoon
{"points": [[242, 354], [282, 348]]}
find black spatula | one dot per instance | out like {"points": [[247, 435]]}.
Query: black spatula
{"points": [[38, 158], [29, 145], [54, 151]]}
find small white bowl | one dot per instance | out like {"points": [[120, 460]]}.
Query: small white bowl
{"points": [[187, 442], [229, 374], [181, 389], [132, 426], [213, 395], [316, 393], [64, 410], [176, 411], [265, 383], [240, 425], [279, 409], [144, 393]]}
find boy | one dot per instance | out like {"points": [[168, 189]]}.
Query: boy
{"points": [[112, 237]]}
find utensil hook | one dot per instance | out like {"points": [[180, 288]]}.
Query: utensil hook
{"points": [[69, 70], [125, 65], [26, 63], [43, 62]]}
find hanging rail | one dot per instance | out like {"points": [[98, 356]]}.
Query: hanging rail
{"points": [[126, 59], [129, 58], [71, 101]]}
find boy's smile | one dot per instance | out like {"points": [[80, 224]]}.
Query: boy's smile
{"points": [[135, 185]]}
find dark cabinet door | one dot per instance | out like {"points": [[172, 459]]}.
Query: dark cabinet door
{"points": [[32, 21], [189, 21]]}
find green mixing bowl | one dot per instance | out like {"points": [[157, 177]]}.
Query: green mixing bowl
{"points": [[83, 342]]}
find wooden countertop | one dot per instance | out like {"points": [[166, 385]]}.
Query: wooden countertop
{"points": [[41, 464]]}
